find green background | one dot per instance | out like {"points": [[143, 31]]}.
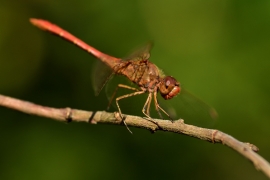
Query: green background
{"points": [[219, 50]]}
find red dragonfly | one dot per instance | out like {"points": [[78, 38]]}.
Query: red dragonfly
{"points": [[138, 69]]}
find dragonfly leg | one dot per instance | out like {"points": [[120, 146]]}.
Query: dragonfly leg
{"points": [[147, 113], [147, 105], [126, 96], [159, 108], [127, 126], [114, 93]]}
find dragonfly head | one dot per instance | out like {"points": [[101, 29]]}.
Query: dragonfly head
{"points": [[169, 87]]}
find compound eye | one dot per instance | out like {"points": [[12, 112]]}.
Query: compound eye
{"points": [[167, 83]]}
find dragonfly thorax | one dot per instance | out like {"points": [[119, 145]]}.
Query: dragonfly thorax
{"points": [[143, 73]]}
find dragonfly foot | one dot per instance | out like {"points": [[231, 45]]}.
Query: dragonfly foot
{"points": [[127, 127], [153, 121], [121, 118]]}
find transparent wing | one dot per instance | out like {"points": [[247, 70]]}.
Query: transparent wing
{"points": [[101, 74], [194, 110], [141, 53]]}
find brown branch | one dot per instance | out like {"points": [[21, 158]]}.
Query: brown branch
{"points": [[67, 115]]}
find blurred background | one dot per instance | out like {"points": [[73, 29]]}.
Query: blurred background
{"points": [[218, 50]]}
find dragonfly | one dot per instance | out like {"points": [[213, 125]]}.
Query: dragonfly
{"points": [[138, 69]]}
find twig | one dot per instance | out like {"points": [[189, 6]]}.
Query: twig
{"points": [[67, 115]]}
